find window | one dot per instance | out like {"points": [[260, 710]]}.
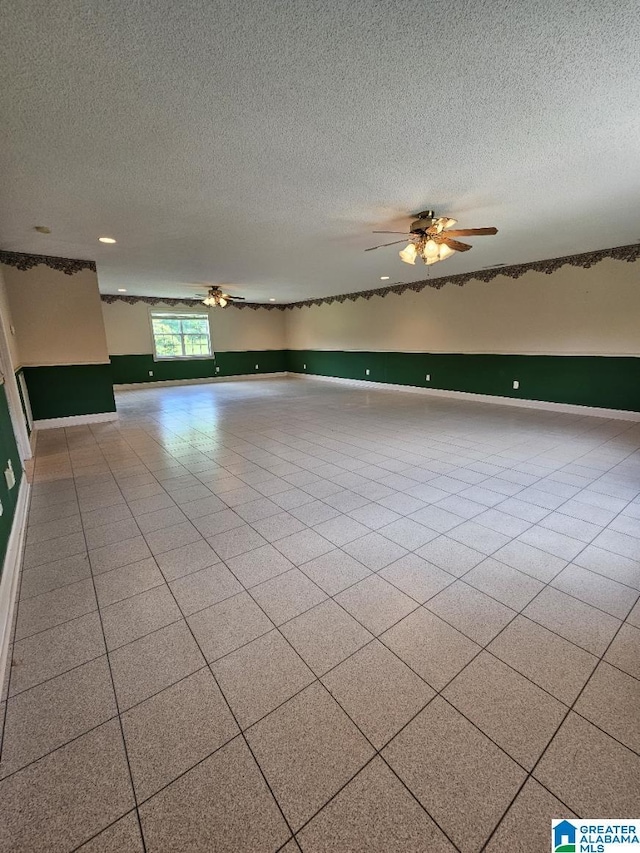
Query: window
{"points": [[181, 335]]}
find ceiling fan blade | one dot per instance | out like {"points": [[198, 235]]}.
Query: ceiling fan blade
{"points": [[390, 232], [439, 224], [237, 297], [470, 232], [454, 244], [386, 244]]}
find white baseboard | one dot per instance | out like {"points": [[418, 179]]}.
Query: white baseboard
{"points": [[11, 573], [205, 380], [75, 420], [567, 408]]}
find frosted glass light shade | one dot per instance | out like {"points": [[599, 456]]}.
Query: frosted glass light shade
{"points": [[408, 254], [431, 249], [446, 251]]}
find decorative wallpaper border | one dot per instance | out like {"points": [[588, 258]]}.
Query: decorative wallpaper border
{"points": [[585, 260], [24, 261]]}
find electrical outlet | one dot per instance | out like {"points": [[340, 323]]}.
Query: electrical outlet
{"points": [[428, 377], [9, 476], [256, 367], [151, 373], [304, 366], [217, 370], [516, 384], [367, 372]]}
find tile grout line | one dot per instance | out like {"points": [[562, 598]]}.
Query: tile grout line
{"points": [[437, 693], [372, 571], [570, 710], [401, 590], [318, 679], [231, 711], [240, 733], [452, 581], [315, 680], [117, 705]]}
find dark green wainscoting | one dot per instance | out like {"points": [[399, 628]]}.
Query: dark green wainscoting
{"points": [[607, 382], [72, 389], [128, 369], [9, 497]]}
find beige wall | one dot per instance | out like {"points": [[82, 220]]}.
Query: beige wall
{"points": [[57, 317], [129, 330], [572, 311]]}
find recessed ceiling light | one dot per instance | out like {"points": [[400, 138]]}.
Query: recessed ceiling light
{"points": [[272, 300], [106, 239], [384, 278], [122, 290]]}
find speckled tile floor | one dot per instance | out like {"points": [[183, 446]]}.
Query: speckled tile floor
{"points": [[292, 615]]}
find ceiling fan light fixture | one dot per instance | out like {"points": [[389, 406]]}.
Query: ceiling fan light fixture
{"points": [[430, 239], [409, 253], [431, 250], [215, 298], [445, 251]]}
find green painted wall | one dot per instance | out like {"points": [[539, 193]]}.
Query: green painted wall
{"points": [[607, 382], [128, 369], [72, 389], [8, 450]]}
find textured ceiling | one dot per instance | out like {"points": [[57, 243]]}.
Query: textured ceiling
{"points": [[256, 144]]}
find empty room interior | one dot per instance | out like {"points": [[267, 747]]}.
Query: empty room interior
{"points": [[319, 427]]}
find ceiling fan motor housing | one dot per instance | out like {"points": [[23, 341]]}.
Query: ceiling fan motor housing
{"points": [[424, 221]]}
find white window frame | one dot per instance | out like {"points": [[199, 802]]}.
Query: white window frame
{"points": [[178, 315]]}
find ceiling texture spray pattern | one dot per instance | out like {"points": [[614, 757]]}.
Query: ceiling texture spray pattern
{"points": [[256, 145]]}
